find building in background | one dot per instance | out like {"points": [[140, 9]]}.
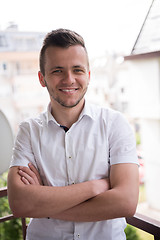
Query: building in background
{"points": [[105, 89], [20, 93], [144, 98]]}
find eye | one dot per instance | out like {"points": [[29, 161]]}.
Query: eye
{"points": [[56, 71], [78, 70]]}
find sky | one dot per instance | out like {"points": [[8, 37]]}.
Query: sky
{"points": [[106, 25]]}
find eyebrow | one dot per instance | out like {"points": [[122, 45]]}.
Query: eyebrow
{"points": [[79, 66], [76, 66], [56, 67]]}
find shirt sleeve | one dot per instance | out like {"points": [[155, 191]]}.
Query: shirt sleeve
{"points": [[122, 144], [22, 151]]}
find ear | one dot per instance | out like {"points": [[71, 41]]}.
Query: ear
{"points": [[89, 76], [41, 79]]}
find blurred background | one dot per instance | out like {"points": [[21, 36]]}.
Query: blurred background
{"points": [[123, 42]]}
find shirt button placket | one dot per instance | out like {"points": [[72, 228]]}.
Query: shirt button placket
{"points": [[68, 158], [78, 234]]}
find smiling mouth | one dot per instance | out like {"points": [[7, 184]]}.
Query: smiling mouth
{"points": [[69, 90]]}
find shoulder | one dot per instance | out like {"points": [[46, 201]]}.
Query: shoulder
{"points": [[105, 113], [110, 119], [35, 122]]}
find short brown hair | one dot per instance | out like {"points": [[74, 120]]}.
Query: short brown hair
{"points": [[59, 38]]}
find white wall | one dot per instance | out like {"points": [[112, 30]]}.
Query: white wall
{"points": [[144, 88], [151, 146], [144, 104]]}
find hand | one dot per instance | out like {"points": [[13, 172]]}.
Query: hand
{"points": [[101, 185], [30, 175]]}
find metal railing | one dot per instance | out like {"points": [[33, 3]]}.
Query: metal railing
{"points": [[3, 193], [140, 221], [146, 224]]}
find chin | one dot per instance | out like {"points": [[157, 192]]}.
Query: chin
{"points": [[71, 104]]}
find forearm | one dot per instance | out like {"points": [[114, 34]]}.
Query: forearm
{"points": [[120, 201], [43, 201], [108, 205]]}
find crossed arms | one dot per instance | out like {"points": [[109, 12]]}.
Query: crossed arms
{"points": [[89, 201]]}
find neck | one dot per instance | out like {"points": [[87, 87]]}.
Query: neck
{"points": [[66, 116]]}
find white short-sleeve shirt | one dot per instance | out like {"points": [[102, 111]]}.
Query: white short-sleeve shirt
{"points": [[100, 138]]}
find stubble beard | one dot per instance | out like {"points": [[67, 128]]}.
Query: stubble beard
{"points": [[63, 103]]}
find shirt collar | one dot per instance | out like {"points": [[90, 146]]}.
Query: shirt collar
{"points": [[49, 115], [87, 111]]}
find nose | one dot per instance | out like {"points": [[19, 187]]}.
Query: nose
{"points": [[69, 78]]}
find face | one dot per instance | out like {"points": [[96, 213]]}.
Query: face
{"points": [[66, 75]]}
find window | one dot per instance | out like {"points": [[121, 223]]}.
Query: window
{"points": [[4, 66], [3, 42]]}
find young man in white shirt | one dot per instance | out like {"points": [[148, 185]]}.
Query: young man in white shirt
{"points": [[74, 169]]}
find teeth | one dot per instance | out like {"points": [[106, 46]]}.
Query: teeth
{"points": [[68, 90]]}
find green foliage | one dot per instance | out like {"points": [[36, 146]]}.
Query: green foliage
{"points": [[3, 180], [138, 138], [9, 230], [131, 233]]}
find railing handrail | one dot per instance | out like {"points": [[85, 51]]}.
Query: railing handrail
{"points": [[3, 192], [146, 224]]}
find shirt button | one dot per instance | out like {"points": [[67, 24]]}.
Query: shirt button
{"points": [[70, 157], [78, 235]]}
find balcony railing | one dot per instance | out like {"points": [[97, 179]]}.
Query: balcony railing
{"points": [[146, 224], [140, 221], [3, 193]]}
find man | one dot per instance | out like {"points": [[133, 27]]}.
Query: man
{"points": [[74, 168]]}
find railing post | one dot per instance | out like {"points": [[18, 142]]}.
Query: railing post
{"points": [[24, 227], [156, 238]]}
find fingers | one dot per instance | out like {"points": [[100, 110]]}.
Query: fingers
{"points": [[25, 181], [29, 175], [34, 169]]}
